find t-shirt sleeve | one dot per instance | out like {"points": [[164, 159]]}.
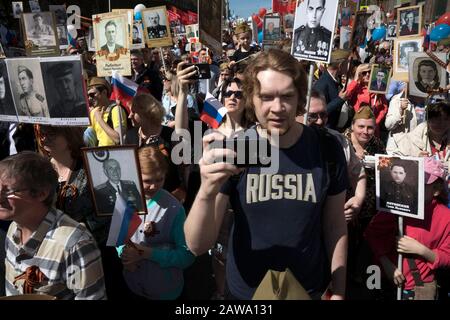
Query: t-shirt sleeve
{"points": [[115, 118], [338, 175]]}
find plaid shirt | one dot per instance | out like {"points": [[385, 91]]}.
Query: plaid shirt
{"points": [[65, 253]]}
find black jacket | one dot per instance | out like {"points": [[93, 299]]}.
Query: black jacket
{"points": [[330, 89], [23, 138], [150, 80]]}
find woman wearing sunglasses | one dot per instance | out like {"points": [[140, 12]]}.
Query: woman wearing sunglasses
{"points": [[358, 93]]}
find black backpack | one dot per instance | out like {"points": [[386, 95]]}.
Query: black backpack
{"points": [[109, 121]]}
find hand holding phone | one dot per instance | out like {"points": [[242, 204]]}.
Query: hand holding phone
{"points": [[203, 71]]}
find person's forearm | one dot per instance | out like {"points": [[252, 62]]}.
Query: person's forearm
{"points": [[200, 226], [360, 190], [428, 254], [335, 236], [181, 113]]}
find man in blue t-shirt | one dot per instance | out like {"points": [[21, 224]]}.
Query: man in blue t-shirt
{"points": [[291, 218]]}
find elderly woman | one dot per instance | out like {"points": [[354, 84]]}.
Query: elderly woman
{"points": [[427, 76], [430, 138], [358, 94]]}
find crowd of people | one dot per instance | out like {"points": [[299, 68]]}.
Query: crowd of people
{"points": [[214, 229]]}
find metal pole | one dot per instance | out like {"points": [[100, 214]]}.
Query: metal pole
{"points": [[400, 257], [120, 125], [109, 5], [308, 95]]}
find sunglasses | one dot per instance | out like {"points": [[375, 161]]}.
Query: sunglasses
{"points": [[312, 117], [229, 93], [364, 73]]}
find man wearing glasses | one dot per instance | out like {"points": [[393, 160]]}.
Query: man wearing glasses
{"points": [[318, 117], [42, 241]]}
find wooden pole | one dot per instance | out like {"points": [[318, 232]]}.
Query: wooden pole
{"points": [[400, 257], [308, 95]]}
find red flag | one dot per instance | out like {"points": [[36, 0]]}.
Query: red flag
{"points": [[192, 16], [283, 6], [173, 16]]}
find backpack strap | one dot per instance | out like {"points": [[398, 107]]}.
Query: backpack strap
{"points": [[415, 272]]}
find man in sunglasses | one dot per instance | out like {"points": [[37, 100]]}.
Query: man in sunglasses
{"points": [[318, 117], [46, 251]]}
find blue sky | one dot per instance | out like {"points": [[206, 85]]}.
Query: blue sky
{"points": [[245, 8]]}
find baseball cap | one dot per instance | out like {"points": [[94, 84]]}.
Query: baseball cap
{"points": [[434, 169]]}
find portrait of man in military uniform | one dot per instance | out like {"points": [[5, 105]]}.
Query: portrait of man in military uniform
{"points": [[111, 45], [156, 27], [272, 29], [41, 31], [396, 191], [64, 93], [106, 193], [31, 102], [313, 35]]}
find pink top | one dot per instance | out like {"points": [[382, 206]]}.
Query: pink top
{"points": [[433, 232]]}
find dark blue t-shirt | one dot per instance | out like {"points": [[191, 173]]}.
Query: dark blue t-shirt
{"points": [[278, 217]]}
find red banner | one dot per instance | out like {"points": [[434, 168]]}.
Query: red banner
{"points": [[283, 6], [173, 16], [193, 18]]}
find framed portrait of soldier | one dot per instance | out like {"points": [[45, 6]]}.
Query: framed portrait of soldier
{"points": [[65, 91], [210, 24], [425, 74], [400, 185], [114, 172], [91, 39], [344, 37], [391, 32], [272, 28], [17, 9], [379, 78], [137, 36], [2, 52], [192, 32], [61, 24], [28, 90], [314, 27], [40, 34], [112, 44], [359, 30], [34, 6], [156, 27], [346, 15], [288, 22], [409, 21], [402, 48], [7, 110]]}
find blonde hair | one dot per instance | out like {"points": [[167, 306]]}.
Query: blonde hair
{"points": [[150, 107], [152, 161]]}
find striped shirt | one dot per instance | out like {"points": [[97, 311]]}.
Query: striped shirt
{"points": [[65, 252]]}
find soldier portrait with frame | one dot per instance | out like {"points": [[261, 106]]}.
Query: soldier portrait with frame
{"points": [[379, 79], [17, 8], [27, 86], [130, 19], [137, 36], [7, 110], [402, 47], [66, 94], [409, 21], [400, 185], [425, 74], [314, 28], [359, 28], [114, 171], [391, 32], [41, 36], [272, 28], [156, 27], [112, 44]]}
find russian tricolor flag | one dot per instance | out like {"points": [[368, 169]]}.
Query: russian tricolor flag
{"points": [[213, 111], [124, 223], [123, 89]]}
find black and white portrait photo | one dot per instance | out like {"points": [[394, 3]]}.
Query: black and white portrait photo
{"points": [[402, 49], [28, 90], [191, 31], [391, 32], [91, 39], [7, 110], [62, 36], [2, 52], [60, 14], [344, 37], [409, 21], [64, 90], [288, 22], [111, 43], [34, 6], [40, 33], [272, 28], [425, 74], [17, 8], [114, 172], [379, 79], [156, 27], [314, 30], [400, 185], [359, 30], [138, 36]]}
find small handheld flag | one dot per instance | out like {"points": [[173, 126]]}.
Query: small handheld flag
{"points": [[123, 89], [213, 111]]}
